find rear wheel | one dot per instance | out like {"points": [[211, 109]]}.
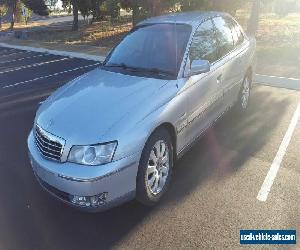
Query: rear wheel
{"points": [[155, 168], [244, 95]]}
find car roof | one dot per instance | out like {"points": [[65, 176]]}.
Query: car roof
{"points": [[191, 18]]}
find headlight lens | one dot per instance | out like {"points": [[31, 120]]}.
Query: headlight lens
{"points": [[93, 155]]}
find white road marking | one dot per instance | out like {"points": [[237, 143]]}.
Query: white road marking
{"points": [[24, 58], [13, 54], [277, 77], [34, 65], [268, 182], [276, 81], [7, 50], [48, 76], [56, 52]]}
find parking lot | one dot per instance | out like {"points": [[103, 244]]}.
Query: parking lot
{"points": [[213, 193]]}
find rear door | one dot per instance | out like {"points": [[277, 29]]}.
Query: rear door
{"points": [[240, 57], [226, 47], [232, 52]]}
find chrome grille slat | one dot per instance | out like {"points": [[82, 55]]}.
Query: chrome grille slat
{"points": [[47, 141], [47, 154], [49, 146], [46, 149]]}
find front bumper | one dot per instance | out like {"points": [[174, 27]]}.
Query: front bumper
{"points": [[117, 179]]}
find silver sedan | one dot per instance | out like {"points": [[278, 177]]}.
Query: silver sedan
{"points": [[114, 134]]}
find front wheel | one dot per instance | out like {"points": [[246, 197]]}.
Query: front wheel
{"points": [[155, 168]]}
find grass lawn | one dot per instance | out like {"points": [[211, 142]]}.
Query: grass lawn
{"points": [[278, 45], [103, 34], [99, 37]]}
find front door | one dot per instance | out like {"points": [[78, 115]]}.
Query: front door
{"points": [[205, 94]]}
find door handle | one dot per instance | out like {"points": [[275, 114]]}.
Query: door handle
{"points": [[219, 79]]}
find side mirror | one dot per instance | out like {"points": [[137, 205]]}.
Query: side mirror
{"points": [[198, 67]]}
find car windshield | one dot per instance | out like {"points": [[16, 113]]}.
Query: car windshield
{"points": [[156, 49]]}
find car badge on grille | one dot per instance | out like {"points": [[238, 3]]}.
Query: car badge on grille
{"points": [[50, 124]]}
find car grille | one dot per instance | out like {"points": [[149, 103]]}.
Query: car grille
{"points": [[50, 146]]}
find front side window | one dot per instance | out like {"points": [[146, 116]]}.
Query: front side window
{"points": [[154, 49], [204, 44], [224, 36]]}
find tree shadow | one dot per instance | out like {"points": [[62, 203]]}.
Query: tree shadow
{"points": [[226, 146]]}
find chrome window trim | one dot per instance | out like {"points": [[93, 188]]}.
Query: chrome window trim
{"points": [[184, 69]]}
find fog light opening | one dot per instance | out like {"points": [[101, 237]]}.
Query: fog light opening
{"points": [[89, 201], [82, 201]]}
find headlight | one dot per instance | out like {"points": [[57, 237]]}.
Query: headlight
{"points": [[93, 155]]}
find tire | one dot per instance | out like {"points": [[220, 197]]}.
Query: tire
{"points": [[155, 168], [242, 103]]}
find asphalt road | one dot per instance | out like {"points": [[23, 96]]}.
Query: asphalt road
{"points": [[212, 195]]}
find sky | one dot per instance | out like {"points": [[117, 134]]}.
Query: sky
{"points": [[59, 4]]}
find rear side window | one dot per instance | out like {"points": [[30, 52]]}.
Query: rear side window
{"points": [[204, 44], [240, 34], [237, 34], [224, 36]]}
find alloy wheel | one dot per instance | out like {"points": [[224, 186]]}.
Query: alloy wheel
{"points": [[245, 93], [158, 167]]}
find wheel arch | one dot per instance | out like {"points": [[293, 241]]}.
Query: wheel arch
{"points": [[172, 132], [249, 73]]}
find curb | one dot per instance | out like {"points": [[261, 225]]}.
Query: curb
{"points": [[279, 82], [56, 52]]}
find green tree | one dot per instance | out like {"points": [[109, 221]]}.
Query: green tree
{"points": [[37, 6], [96, 9], [142, 9], [85, 8], [113, 8], [189, 5], [75, 26], [136, 6], [51, 4], [254, 17], [14, 6], [229, 6], [74, 5], [3, 11]]}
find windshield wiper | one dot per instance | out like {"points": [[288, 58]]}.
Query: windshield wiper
{"points": [[159, 71], [155, 71], [120, 65]]}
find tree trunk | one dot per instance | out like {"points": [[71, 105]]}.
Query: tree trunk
{"points": [[154, 7], [96, 10], [13, 13], [135, 14], [75, 15], [254, 18]]}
